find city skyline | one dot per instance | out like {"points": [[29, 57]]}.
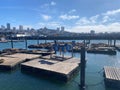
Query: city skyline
{"points": [[21, 27], [75, 16]]}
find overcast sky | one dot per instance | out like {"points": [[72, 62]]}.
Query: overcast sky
{"points": [[74, 15]]}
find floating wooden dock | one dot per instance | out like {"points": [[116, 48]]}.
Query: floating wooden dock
{"points": [[117, 47], [102, 50], [11, 61], [53, 68], [40, 52], [112, 77]]}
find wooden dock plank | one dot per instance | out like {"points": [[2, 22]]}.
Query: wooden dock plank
{"points": [[112, 76], [117, 71], [106, 72]]}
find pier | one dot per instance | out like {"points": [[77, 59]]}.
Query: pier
{"points": [[9, 62], [112, 77], [53, 67]]}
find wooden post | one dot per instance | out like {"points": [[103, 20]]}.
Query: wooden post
{"points": [[63, 52], [45, 41], [38, 40], [60, 50], [55, 42], [89, 41], [114, 42], [26, 42], [82, 76], [51, 52], [11, 42], [110, 42], [72, 51], [84, 43]]}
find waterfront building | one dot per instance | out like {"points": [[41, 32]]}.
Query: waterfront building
{"points": [[92, 32]]}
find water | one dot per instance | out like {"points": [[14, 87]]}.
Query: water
{"points": [[16, 80]]}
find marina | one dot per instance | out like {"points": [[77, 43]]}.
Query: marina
{"points": [[94, 64], [60, 45]]}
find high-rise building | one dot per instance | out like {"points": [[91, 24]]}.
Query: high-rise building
{"points": [[58, 29], [8, 26], [14, 28], [28, 29], [2, 27], [20, 27], [62, 28]]}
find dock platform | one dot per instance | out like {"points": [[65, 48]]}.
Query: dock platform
{"points": [[59, 70], [11, 61], [112, 77], [40, 52]]}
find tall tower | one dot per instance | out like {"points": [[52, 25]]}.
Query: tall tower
{"points": [[8, 26], [20, 27]]}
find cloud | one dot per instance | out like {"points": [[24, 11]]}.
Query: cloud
{"points": [[104, 22], [83, 21], [88, 21], [68, 17], [110, 16], [105, 19], [94, 19], [53, 3], [46, 17], [47, 5], [72, 11], [98, 28], [112, 12]]}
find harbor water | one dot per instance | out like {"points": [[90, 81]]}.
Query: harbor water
{"points": [[17, 80]]}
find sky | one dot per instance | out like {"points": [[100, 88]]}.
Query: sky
{"points": [[74, 15]]}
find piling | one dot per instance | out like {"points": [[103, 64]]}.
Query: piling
{"points": [[114, 43], [82, 76], [11, 42], [26, 42], [38, 40]]}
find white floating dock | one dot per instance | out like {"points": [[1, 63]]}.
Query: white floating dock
{"points": [[112, 76]]}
